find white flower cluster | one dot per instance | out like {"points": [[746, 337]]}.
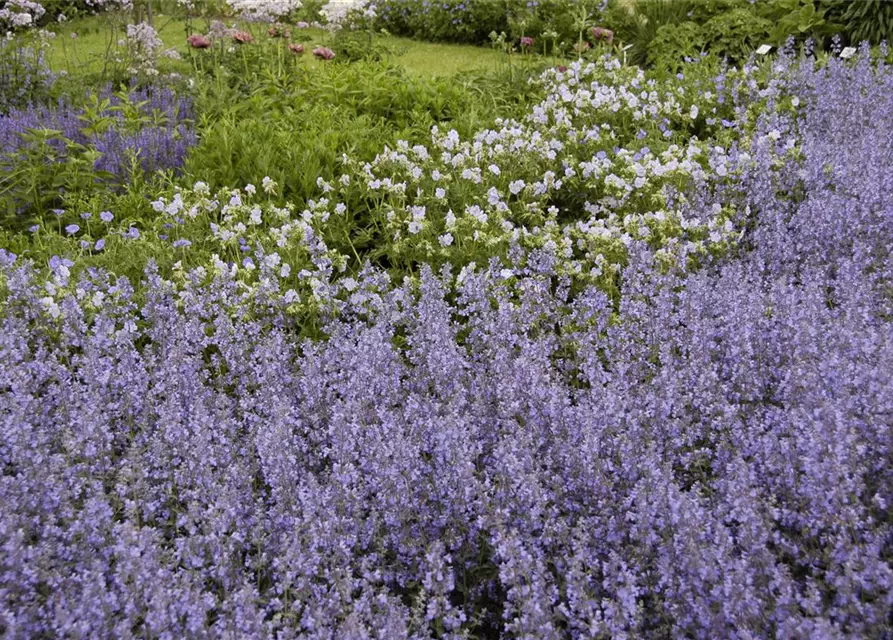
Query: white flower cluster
{"points": [[247, 235], [20, 14], [263, 10], [336, 11], [562, 179], [143, 43], [124, 5]]}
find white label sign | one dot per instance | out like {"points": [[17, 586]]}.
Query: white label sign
{"points": [[848, 53], [764, 49]]}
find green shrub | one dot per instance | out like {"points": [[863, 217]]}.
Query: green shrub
{"points": [[702, 11], [297, 130], [735, 34], [452, 20], [34, 179], [351, 46], [474, 20], [673, 43], [870, 20], [551, 21], [801, 19], [637, 24]]}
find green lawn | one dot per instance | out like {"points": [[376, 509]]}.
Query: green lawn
{"points": [[81, 47]]}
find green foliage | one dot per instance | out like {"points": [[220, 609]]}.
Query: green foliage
{"points": [[870, 20], [673, 43], [638, 23], [801, 19], [474, 20], [550, 22], [703, 10], [735, 34], [351, 46], [49, 166], [25, 78], [470, 24], [296, 128], [69, 8], [662, 32], [310, 11], [34, 179]]}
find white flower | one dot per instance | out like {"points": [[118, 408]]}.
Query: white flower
{"points": [[290, 296], [51, 307], [263, 10]]}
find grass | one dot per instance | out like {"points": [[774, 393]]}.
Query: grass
{"points": [[81, 47]]}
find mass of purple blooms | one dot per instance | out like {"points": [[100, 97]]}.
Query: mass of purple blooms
{"points": [[491, 453], [158, 146]]}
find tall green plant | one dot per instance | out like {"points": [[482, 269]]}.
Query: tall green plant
{"points": [[801, 19], [870, 20], [637, 23]]}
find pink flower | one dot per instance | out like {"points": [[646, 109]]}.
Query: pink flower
{"points": [[243, 37], [600, 33], [526, 41], [197, 41], [561, 68], [324, 53], [296, 48], [278, 32]]}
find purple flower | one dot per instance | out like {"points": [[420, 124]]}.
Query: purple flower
{"points": [[72, 229], [699, 447]]}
